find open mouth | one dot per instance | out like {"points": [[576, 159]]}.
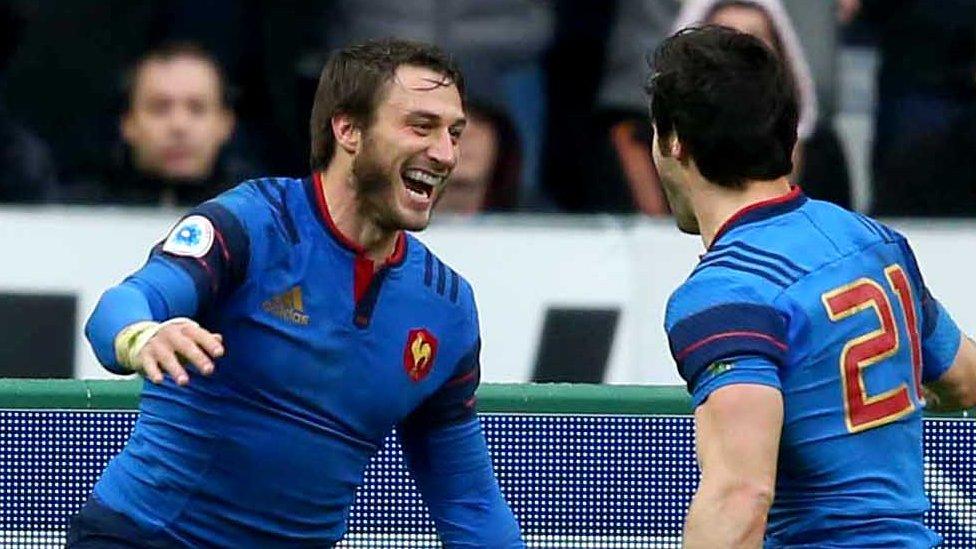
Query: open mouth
{"points": [[420, 184]]}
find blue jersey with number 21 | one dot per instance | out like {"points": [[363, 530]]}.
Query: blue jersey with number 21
{"points": [[829, 307]]}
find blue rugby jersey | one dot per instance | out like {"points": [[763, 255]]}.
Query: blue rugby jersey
{"points": [[323, 358], [829, 307]]}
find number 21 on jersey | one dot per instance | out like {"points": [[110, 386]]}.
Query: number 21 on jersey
{"points": [[863, 411]]}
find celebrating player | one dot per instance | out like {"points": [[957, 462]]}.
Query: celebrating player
{"points": [[287, 325], [806, 334]]}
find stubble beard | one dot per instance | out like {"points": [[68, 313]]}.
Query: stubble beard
{"points": [[375, 191]]}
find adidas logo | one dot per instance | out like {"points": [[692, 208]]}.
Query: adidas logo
{"points": [[288, 306]]}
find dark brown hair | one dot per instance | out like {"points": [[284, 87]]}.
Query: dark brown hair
{"points": [[166, 52], [730, 102], [354, 82]]}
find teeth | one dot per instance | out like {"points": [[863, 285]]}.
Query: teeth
{"points": [[421, 176], [422, 196]]}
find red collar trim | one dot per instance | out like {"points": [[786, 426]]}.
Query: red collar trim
{"points": [[399, 249], [771, 206]]}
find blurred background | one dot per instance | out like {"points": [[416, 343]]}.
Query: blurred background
{"points": [[115, 116]]}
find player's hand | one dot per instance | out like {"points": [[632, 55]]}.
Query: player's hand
{"points": [[153, 348], [175, 345]]}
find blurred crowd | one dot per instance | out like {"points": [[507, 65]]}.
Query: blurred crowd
{"points": [[169, 102]]}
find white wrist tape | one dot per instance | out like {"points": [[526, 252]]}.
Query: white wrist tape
{"points": [[131, 340]]}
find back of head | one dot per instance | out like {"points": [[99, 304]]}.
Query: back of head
{"points": [[355, 79], [728, 100]]}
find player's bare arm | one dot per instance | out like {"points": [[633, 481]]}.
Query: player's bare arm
{"points": [[956, 389], [737, 433]]}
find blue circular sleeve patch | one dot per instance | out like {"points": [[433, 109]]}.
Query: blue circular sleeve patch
{"points": [[191, 237]]}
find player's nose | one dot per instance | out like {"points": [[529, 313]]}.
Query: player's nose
{"points": [[443, 149]]}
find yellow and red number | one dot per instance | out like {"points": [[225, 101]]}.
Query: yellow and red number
{"points": [[863, 411]]}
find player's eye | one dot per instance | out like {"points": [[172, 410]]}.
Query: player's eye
{"points": [[422, 128]]}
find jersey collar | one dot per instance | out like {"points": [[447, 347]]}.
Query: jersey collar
{"points": [[316, 196], [762, 210]]}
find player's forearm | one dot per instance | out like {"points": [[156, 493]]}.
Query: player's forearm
{"points": [[158, 291], [119, 307], [727, 517], [477, 521], [454, 473]]}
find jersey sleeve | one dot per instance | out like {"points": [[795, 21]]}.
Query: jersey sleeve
{"points": [[202, 259], [940, 338], [721, 334], [453, 470], [455, 401], [210, 246], [940, 334]]}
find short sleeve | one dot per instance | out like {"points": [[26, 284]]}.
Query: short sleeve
{"points": [[940, 334], [940, 339], [705, 338], [734, 370]]}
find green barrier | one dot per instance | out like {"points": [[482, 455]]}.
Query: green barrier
{"points": [[528, 398], [550, 398]]}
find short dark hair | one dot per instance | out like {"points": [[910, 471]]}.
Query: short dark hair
{"points": [[354, 82], [730, 101], [167, 51]]}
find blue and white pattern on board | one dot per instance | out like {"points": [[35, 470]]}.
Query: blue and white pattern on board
{"points": [[572, 481]]}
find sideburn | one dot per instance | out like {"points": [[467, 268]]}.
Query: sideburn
{"points": [[367, 171], [372, 184]]}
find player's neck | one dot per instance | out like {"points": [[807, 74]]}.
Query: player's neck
{"points": [[344, 207], [715, 205]]}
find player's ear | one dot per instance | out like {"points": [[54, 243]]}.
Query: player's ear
{"points": [[346, 133], [669, 146], [676, 149]]}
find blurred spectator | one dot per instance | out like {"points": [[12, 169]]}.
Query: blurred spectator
{"points": [[174, 126], [487, 176], [926, 95], [499, 45], [630, 179], [90, 44], [271, 53], [27, 173], [621, 152]]}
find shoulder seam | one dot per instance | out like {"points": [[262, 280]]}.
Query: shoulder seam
{"points": [[735, 253], [819, 230], [276, 206], [770, 277]]}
